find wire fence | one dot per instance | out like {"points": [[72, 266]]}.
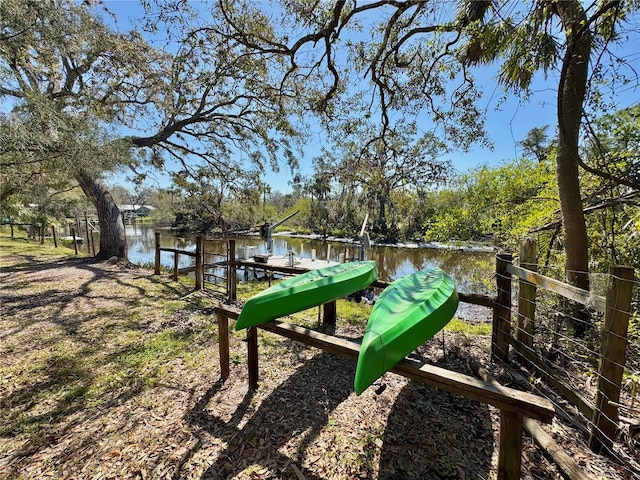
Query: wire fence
{"points": [[580, 349]]}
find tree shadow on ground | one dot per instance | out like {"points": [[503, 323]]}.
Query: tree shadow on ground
{"points": [[297, 409], [435, 434], [56, 294], [33, 263], [70, 342], [429, 433]]}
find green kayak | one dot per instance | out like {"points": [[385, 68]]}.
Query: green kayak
{"points": [[305, 291], [409, 311]]}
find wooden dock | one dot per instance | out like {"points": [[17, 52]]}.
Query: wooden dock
{"points": [[283, 261]]}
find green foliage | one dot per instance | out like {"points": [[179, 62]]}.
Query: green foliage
{"points": [[300, 223], [200, 198], [58, 104], [611, 184], [412, 213], [56, 63], [361, 176], [83, 97], [501, 203]]}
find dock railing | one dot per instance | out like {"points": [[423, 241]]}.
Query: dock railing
{"points": [[176, 260]]}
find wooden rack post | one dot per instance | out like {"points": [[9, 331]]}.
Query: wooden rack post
{"points": [[252, 357], [223, 342], [510, 447], [329, 314]]}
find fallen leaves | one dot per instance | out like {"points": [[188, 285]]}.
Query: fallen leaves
{"points": [[304, 421]]}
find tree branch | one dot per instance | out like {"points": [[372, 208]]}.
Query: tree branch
{"points": [[600, 173], [629, 199]]}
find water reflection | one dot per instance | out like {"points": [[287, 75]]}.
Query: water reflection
{"points": [[141, 245], [472, 271]]}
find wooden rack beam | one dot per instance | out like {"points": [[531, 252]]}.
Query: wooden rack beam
{"points": [[514, 405]]}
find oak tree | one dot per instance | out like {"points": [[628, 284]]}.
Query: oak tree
{"points": [[96, 98]]}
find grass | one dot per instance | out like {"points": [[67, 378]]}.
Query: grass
{"points": [[118, 334], [472, 329], [21, 245]]}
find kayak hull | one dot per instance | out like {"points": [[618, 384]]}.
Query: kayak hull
{"points": [[306, 291], [409, 311]]}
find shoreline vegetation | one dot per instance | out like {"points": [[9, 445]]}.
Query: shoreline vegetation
{"points": [[466, 246], [455, 246], [112, 372]]}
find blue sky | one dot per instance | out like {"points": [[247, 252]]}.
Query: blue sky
{"points": [[508, 119]]}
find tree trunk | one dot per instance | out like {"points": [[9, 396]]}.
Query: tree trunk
{"points": [[571, 94], [382, 221], [113, 242]]}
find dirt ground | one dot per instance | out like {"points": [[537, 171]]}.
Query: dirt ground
{"points": [[111, 373]]}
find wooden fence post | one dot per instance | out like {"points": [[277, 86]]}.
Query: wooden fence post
{"points": [[75, 242], [527, 294], [199, 272], [78, 226], [53, 234], [231, 270], [614, 343], [86, 227], [502, 312], [156, 270], [176, 259]]}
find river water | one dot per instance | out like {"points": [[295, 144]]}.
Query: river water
{"points": [[472, 270]]}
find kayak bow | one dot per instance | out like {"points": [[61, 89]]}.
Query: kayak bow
{"points": [[305, 291], [409, 311]]}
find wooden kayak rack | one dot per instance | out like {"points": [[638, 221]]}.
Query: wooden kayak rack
{"points": [[514, 405]]}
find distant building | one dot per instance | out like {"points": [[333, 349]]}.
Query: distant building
{"points": [[134, 211]]}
